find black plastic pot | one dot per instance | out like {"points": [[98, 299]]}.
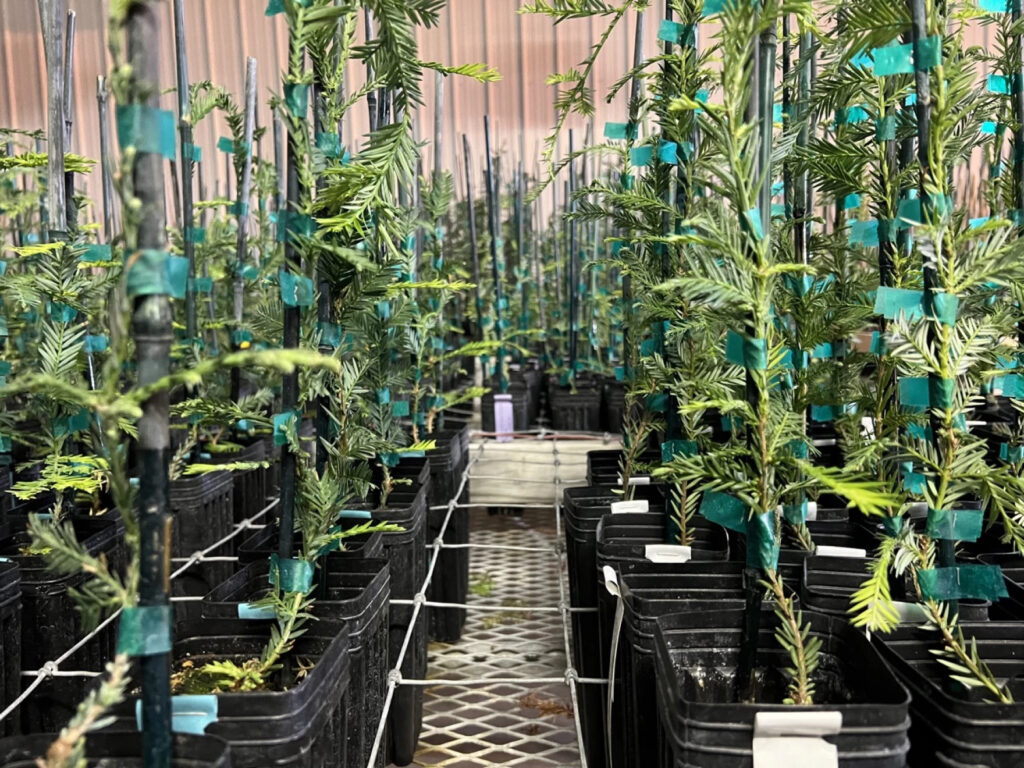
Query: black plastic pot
{"points": [[520, 408], [450, 582], [951, 726], [51, 622], [603, 467], [407, 554], [1012, 566], [6, 480], [583, 509], [696, 655], [622, 540], [300, 725], [119, 750], [252, 486], [613, 406], [259, 546], [204, 513], [578, 411], [646, 596], [10, 641], [355, 593]]}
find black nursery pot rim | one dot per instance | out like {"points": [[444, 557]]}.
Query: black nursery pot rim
{"points": [[673, 629], [190, 750], [371, 579]]}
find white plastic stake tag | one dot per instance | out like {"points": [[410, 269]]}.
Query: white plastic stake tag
{"points": [[793, 739], [611, 583], [812, 511], [826, 551], [637, 505], [910, 613], [667, 553], [504, 419], [639, 480], [867, 426]]}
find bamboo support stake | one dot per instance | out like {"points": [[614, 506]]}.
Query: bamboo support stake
{"points": [[473, 253], [52, 15], [187, 168]]}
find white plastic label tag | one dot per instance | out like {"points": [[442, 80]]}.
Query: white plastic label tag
{"points": [[667, 553], [910, 613], [639, 480], [824, 442], [793, 739], [637, 505], [826, 551], [504, 419], [611, 580], [812, 511]]}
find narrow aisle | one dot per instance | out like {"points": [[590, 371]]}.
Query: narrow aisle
{"points": [[514, 633]]}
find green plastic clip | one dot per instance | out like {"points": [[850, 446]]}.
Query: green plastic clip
{"points": [[621, 131], [146, 128], [194, 235], [955, 524], [724, 509], [400, 408], [296, 97], [256, 612], [971, 582], [150, 272], [291, 575], [672, 448], [890, 303], [283, 422], [329, 144], [330, 334], [676, 33], [144, 630], [229, 146], [192, 152], [762, 548], [201, 284], [96, 343], [745, 351], [95, 252], [296, 290]]}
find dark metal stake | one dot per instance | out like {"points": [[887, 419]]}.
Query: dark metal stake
{"points": [[152, 329], [492, 226]]}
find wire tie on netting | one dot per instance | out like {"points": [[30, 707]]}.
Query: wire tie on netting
{"points": [[419, 599], [394, 678], [49, 669]]}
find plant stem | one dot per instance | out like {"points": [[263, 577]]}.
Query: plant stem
{"points": [[800, 690]]}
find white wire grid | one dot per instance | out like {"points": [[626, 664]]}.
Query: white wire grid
{"points": [[506, 694]]}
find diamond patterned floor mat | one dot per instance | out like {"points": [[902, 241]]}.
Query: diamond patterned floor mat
{"points": [[508, 723]]}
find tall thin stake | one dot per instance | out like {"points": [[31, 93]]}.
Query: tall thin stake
{"points": [[242, 208], [187, 169], [106, 182], [473, 254], [492, 227], [152, 329], [570, 204], [52, 15]]}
